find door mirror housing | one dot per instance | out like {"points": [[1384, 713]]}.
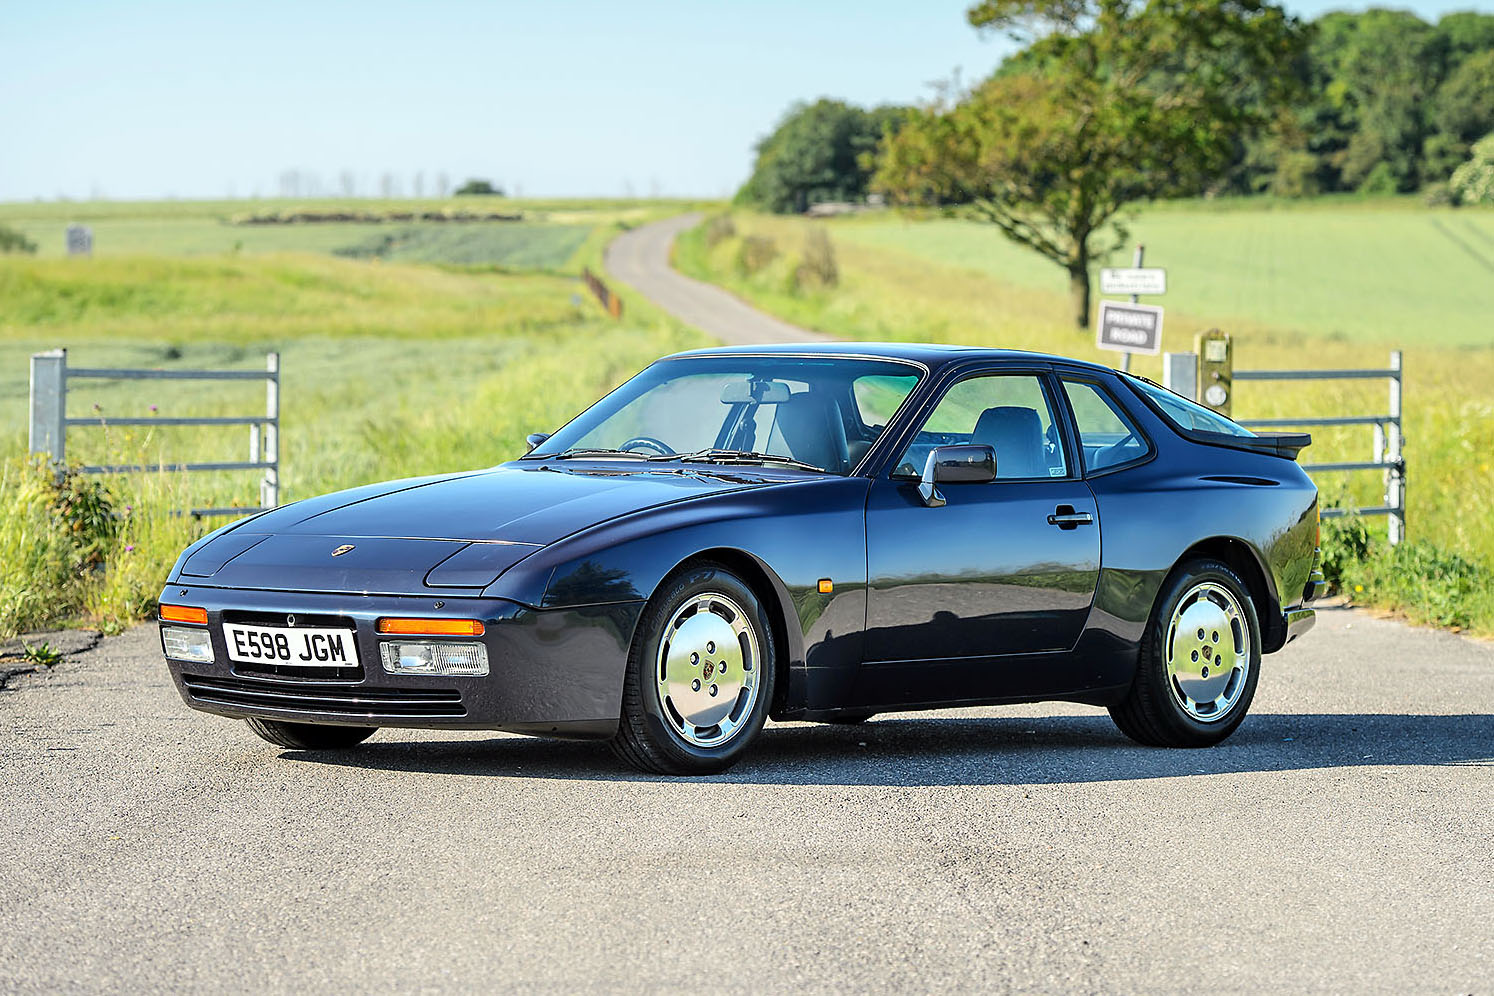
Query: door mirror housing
{"points": [[964, 464], [535, 438]]}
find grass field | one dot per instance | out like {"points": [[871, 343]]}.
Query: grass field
{"points": [[948, 281], [1384, 271], [390, 369]]}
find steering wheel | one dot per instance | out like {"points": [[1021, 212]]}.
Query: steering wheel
{"points": [[649, 442]]}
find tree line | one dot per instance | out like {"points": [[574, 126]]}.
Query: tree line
{"points": [[1112, 102]]}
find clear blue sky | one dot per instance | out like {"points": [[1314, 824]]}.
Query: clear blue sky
{"points": [[210, 98]]}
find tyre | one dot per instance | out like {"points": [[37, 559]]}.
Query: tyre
{"points": [[1199, 663], [310, 736], [700, 675]]}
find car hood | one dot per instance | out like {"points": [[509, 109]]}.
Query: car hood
{"points": [[434, 534]]}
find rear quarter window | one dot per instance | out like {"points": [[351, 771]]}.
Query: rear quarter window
{"points": [[1107, 435]]}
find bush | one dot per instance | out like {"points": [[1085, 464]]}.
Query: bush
{"points": [[718, 230], [1346, 545], [755, 254], [1380, 181], [14, 241], [1439, 195], [1473, 182], [817, 268]]}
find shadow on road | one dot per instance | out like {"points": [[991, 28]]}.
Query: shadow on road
{"points": [[987, 751]]}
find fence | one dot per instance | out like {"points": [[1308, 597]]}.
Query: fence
{"points": [[50, 376], [1386, 455]]}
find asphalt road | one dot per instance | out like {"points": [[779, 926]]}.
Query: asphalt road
{"points": [[641, 258], [1342, 840]]}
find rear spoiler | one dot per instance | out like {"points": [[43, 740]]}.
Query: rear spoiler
{"points": [[1281, 444]]}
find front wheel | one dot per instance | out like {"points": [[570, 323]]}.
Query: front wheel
{"points": [[1199, 662], [700, 676], [310, 736]]}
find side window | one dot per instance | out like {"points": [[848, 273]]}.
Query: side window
{"points": [[1008, 412], [1106, 434]]}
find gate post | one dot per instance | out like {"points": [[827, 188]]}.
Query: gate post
{"points": [[1395, 473], [49, 404], [1180, 374], [269, 485]]}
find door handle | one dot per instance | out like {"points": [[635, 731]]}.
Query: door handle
{"points": [[1064, 517]]}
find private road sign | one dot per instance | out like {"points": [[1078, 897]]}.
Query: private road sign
{"points": [[1129, 328]]}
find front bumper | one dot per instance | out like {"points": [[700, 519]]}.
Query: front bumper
{"points": [[552, 672]]}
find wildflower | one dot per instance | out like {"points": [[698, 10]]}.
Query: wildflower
{"points": [[154, 409], [1359, 587], [130, 548]]}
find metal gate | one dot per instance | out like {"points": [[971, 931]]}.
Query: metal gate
{"points": [[50, 375]]}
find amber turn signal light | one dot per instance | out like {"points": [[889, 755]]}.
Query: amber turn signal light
{"points": [[430, 627], [183, 614]]}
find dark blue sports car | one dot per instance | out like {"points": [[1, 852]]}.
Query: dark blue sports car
{"points": [[804, 532]]}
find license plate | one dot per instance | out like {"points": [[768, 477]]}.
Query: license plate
{"points": [[299, 647]]}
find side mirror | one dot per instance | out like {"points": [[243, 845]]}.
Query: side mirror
{"points": [[535, 438], [965, 464]]}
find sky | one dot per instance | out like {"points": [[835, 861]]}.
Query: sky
{"points": [[193, 100]]}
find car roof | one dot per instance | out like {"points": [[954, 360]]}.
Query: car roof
{"points": [[932, 355]]}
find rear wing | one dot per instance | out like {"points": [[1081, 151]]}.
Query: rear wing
{"points": [[1281, 444]]}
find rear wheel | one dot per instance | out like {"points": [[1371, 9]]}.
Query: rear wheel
{"points": [[1199, 661], [310, 736], [700, 676]]}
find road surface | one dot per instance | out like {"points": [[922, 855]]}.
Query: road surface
{"points": [[1340, 841], [641, 258]]}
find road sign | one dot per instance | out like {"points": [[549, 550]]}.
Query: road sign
{"points": [[1133, 280], [1129, 328], [79, 240]]}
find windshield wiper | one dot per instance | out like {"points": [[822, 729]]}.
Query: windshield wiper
{"points": [[582, 452], [717, 455]]}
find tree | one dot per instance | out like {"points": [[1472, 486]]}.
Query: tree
{"points": [[817, 153], [1381, 69], [1464, 107], [1112, 103], [479, 187]]}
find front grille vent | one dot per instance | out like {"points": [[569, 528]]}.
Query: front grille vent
{"points": [[326, 699]]}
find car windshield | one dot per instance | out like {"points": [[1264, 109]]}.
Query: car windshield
{"points": [[817, 412], [1188, 415]]}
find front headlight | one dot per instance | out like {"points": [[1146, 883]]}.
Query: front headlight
{"points": [[435, 658], [187, 643]]}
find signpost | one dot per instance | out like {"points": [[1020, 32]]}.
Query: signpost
{"points": [[1133, 328]]}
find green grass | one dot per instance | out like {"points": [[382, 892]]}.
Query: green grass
{"points": [[925, 281], [389, 370]]}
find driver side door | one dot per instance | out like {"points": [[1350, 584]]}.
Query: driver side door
{"points": [[965, 599]]}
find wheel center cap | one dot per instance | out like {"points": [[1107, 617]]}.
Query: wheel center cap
{"points": [[1203, 651], [703, 670]]}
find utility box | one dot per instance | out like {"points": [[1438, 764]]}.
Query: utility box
{"points": [[1216, 371]]}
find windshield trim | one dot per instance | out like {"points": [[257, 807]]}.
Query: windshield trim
{"points": [[919, 366]]}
